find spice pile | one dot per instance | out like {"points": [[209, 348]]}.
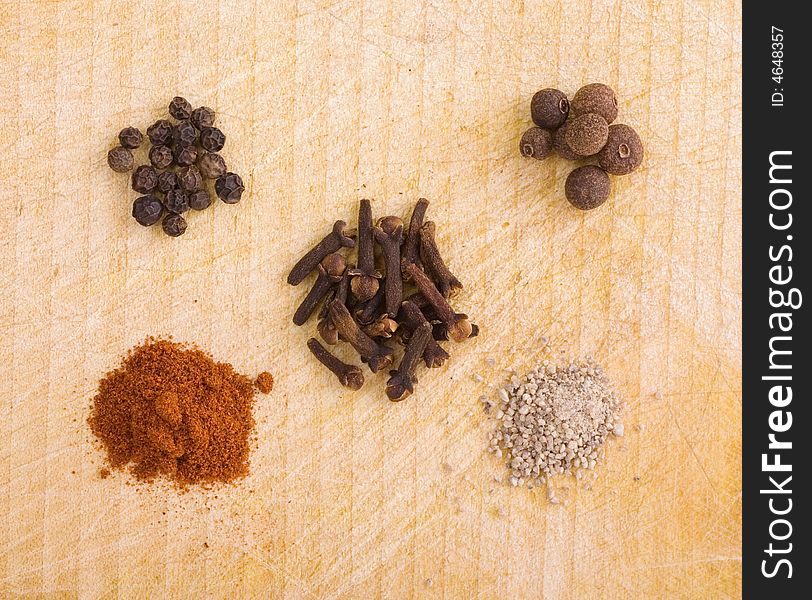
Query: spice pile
{"points": [[587, 134], [555, 421], [170, 410], [182, 156], [364, 305]]}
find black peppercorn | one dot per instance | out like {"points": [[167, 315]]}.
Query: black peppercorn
{"points": [[536, 143], [549, 108], [184, 134], [212, 165], [623, 151], [587, 187], [176, 201], [560, 144], [587, 134], [229, 188], [167, 181], [160, 156], [595, 98], [130, 137], [212, 139], [180, 108], [174, 225], [147, 210], [145, 179], [185, 155], [160, 133], [190, 179], [199, 199], [120, 159], [202, 117]]}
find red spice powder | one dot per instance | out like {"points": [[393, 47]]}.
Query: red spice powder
{"points": [[264, 382], [171, 410]]}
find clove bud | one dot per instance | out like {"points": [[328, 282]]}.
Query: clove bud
{"points": [[338, 238], [401, 383], [348, 375], [378, 357], [459, 327]]}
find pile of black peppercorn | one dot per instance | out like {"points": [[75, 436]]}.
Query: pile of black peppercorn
{"points": [[366, 304], [583, 130], [182, 157]]}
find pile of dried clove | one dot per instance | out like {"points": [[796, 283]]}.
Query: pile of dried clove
{"points": [[182, 156], [366, 304]]}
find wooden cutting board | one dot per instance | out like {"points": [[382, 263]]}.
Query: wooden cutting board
{"points": [[351, 496]]}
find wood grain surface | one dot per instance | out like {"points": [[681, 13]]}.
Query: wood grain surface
{"points": [[322, 102]]}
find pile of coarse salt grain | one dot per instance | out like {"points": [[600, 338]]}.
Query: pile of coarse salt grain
{"points": [[555, 421]]}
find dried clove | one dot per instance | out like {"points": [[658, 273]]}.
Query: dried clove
{"points": [[459, 327], [327, 331], [365, 278], [326, 328], [401, 383], [349, 376], [443, 278], [358, 308], [440, 331], [410, 254], [331, 269], [333, 241], [424, 306], [389, 234], [377, 356], [412, 317], [383, 327]]}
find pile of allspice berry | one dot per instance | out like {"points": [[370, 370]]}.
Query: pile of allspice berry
{"points": [[399, 293], [582, 129], [182, 156]]}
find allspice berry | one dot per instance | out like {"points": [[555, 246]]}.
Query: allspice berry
{"points": [[623, 151], [185, 155], [190, 179], [184, 134], [160, 133], [130, 137], [595, 98], [229, 188], [180, 108], [167, 181], [174, 225], [147, 210], [587, 187], [561, 146], [199, 199], [549, 108], [202, 117], [160, 156], [120, 159], [212, 165], [176, 201], [144, 179], [587, 134], [536, 143], [212, 139]]}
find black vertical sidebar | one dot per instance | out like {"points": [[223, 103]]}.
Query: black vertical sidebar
{"points": [[776, 561]]}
